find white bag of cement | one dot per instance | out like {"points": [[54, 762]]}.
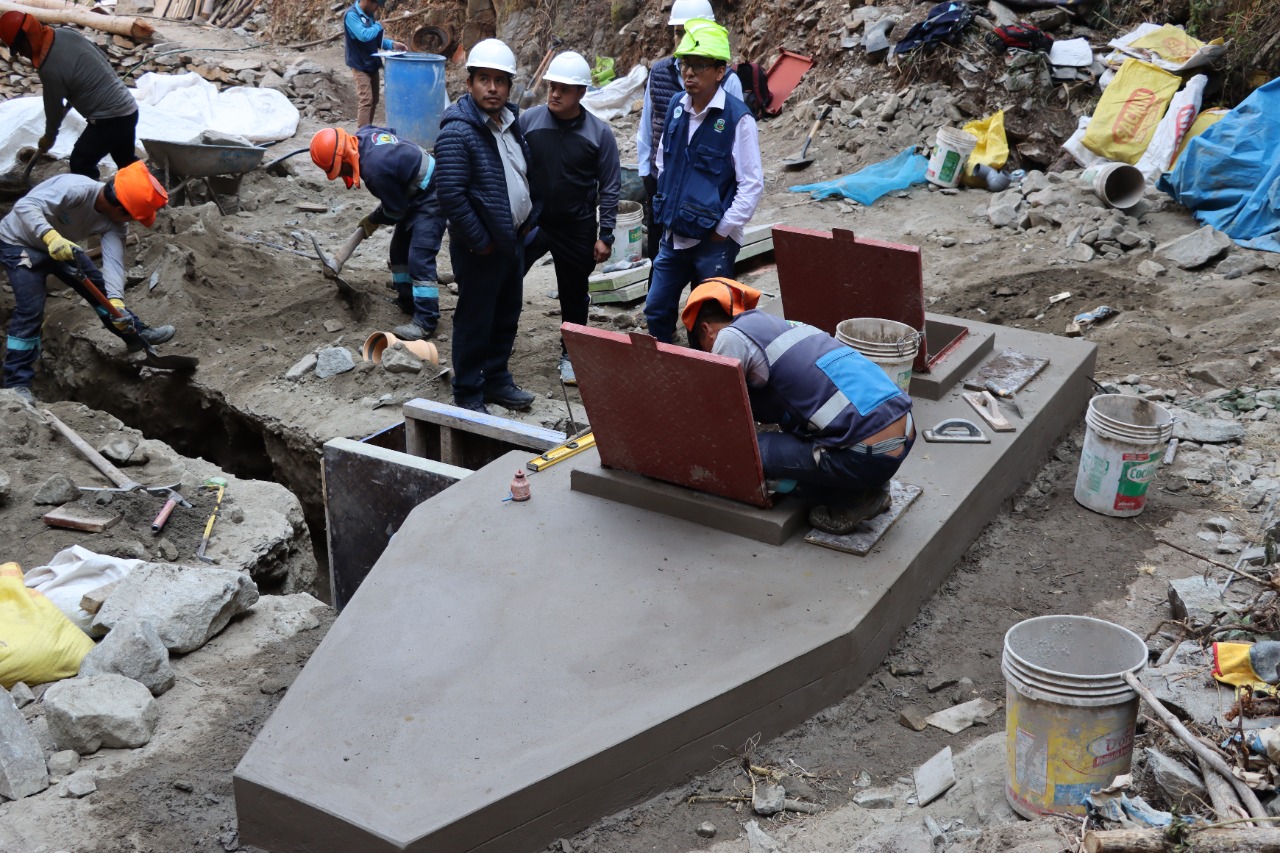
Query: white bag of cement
{"points": [[1177, 120], [71, 573], [615, 100], [1075, 146]]}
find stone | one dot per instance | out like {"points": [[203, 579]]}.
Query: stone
{"points": [[397, 359], [964, 690], [22, 767], [797, 788], [86, 714], [936, 835], [132, 649], [21, 694], [334, 360], [56, 491], [332, 326], [1150, 269], [119, 451], [706, 829], [913, 718], [767, 800], [1218, 373], [890, 108], [302, 366], [187, 606], [935, 777], [1192, 427], [1195, 598], [1239, 263], [1218, 524], [78, 785], [6, 484], [875, 798], [759, 841], [1034, 182], [1181, 785], [64, 763], [940, 682], [1002, 210], [959, 717], [1081, 252], [875, 38], [1195, 249]]}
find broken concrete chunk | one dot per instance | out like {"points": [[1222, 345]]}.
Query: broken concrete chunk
{"points": [[798, 788], [1002, 210], [876, 798], [334, 360], [302, 366], [935, 777], [55, 491], [132, 649], [1240, 263], [1181, 785], [940, 682], [959, 717], [22, 695], [64, 762], [86, 714], [1196, 598], [22, 767], [78, 785], [1188, 426], [187, 606], [913, 718], [1195, 249], [767, 799], [759, 841]]}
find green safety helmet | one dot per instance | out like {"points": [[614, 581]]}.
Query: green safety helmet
{"points": [[704, 38]]}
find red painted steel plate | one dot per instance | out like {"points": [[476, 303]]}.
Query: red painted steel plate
{"points": [[784, 75]]}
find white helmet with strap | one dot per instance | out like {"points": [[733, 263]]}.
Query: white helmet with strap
{"points": [[683, 10], [570, 68], [492, 53]]}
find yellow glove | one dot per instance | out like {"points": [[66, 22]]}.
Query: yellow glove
{"points": [[123, 323], [45, 143], [368, 226], [60, 248]]}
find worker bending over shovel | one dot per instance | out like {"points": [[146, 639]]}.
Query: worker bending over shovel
{"points": [[39, 238], [401, 176], [846, 427]]}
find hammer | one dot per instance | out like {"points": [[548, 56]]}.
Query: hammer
{"points": [[163, 516], [221, 485]]}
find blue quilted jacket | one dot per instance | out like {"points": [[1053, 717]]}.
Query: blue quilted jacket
{"points": [[470, 183]]}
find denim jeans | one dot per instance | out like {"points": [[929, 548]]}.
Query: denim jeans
{"points": [[674, 270], [490, 296], [836, 475]]}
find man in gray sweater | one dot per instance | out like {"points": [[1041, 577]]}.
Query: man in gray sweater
{"points": [[75, 74]]}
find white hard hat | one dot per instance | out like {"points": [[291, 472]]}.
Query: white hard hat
{"points": [[683, 10], [570, 68], [492, 53]]}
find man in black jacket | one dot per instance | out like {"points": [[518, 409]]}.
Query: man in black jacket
{"points": [[574, 168], [482, 164]]}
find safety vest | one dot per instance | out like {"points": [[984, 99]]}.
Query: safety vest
{"points": [[831, 392], [698, 181]]}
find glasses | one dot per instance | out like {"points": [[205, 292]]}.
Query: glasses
{"points": [[696, 67]]}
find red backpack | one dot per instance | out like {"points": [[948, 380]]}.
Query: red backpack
{"points": [[755, 88]]}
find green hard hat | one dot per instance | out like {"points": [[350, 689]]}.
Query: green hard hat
{"points": [[704, 38]]}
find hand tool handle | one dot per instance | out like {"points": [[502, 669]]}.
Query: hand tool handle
{"points": [[93, 289], [163, 516], [114, 474], [348, 248], [208, 527], [817, 123]]}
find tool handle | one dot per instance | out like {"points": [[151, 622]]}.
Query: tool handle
{"points": [[817, 123], [112, 473], [348, 248], [163, 516], [213, 516]]}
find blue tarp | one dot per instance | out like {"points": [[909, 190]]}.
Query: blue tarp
{"points": [[871, 182], [1229, 176]]}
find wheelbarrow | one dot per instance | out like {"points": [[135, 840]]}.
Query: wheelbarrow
{"points": [[184, 162]]}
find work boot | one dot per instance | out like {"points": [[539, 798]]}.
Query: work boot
{"points": [[23, 393], [841, 519], [412, 332], [511, 397], [567, 376], [474, 406], [150, 335]]}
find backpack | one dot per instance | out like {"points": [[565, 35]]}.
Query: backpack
{"points": [[1021, 36], [755, 88]]}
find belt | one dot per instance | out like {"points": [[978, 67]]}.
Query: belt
{"points": [[887, 445]]}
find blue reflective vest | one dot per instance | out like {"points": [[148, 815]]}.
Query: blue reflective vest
{"points": [[698, 181], [364, 37], [830, 392]]}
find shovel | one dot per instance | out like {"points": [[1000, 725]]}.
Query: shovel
{"points": [[801, 160], [332, 267], [152, 358], [19, 183]]}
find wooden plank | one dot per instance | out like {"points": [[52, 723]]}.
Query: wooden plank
{"points": [[988, 407], [81, 518], [312, 207], [868, 533], [91, 601]]}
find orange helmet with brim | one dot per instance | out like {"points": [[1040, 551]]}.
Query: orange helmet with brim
{"points": [[734, 297], [332, 147], [138, 192]]}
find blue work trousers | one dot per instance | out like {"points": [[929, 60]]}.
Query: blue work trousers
{"points": [[674, 270], [836, 475], [490, 296], [415, 242]]}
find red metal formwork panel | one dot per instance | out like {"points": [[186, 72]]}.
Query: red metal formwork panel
{"points": [[667, 412], [828, 277]]}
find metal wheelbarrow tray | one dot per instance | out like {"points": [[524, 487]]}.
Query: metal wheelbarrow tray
{"points": [[185, 161]]}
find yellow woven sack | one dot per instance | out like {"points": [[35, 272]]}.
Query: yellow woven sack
{"points": [[1207, 119], [992, 148], [1129, 110], [1170, 43], [37, 642]]}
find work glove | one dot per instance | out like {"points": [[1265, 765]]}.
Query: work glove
{"points": [[123, 323], [45, 143], [368, 226], [60, 248]]}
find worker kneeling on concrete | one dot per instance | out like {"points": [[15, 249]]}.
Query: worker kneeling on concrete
{"points": [[846, 427], [39, 238], [401, 176]]}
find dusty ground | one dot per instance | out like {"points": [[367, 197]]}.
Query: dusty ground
{"points": [[248, 298]]}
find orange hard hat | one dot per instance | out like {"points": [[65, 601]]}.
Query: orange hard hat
{"points": [[14, 24], [139, 192], [734, 297], [332, 147], [10, 26]]}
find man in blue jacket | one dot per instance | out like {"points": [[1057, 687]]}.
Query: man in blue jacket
{"points": [[710, 178], [364, 38], [400, 175], [482, 181]]}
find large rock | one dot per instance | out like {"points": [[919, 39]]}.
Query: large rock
{"points": [[1195, 249], [132, 649], [86, 714], [1192, 427], [56, 491], [22, 768], [397, 359], [334, 360], [1197, 599], [188, 606], [1003, 208], [1182, 786]]}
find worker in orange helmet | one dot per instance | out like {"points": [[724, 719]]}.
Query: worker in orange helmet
{"points": [[846, 427], [40, 238], [74, 74]]}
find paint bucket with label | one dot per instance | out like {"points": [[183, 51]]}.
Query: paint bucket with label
{"points": [[1124, 441], [1070, 715], [946, 165], [888, 343], [628, 234]]}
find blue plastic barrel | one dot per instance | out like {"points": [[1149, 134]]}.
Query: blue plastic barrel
{"points": [[415, 96]]}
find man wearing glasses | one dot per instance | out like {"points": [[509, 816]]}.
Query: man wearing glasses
{"points": [[710, 178]]}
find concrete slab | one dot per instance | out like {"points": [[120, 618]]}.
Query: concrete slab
{"points": [[510, 672]]}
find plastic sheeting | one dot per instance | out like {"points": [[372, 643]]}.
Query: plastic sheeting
{"points": [[871, 182], [171, 107], [615, 100], [1229, 176]]}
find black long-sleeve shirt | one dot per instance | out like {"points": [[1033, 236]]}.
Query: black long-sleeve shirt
{"points": [[575, 168]]}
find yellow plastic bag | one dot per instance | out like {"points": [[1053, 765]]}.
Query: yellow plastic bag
{"points": [[37, 642], [1129, 111], [992, 148], [1170, 43], [1204, 121]]}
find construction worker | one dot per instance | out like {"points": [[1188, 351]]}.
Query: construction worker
{"points": [[710, 178], [363, 37], [74, 74], [400, 175], [39, 238], [482, 175], [845, 426], [574, 168], [665, 81]]}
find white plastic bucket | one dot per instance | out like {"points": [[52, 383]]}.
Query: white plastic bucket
{"points": [[628, 234], [1069, 714], [1118, 184], [888, 343], [1123, 442], [946, 165]]}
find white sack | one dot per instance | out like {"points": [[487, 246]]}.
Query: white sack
{"points": [[71, 573], [1177, 120], [614, 100]]}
